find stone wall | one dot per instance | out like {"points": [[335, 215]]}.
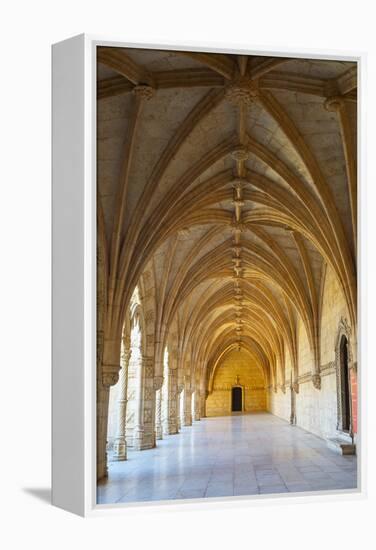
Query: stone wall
{"points": [[316, 409], [237, 368]]}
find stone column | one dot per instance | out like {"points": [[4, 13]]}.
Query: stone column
{"points": [[158, 382], [197, 407], [158, 415], [120, 444], [203, 403], [138, 430], [107, 375], [143, 436], [180, 405], [170, 421], [294, 389], [134, 376], [103, 394], [187, 410]]}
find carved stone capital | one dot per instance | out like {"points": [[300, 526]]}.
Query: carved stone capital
{"points": [[158, 382], [110, 374], [316, 381], [143, 91]]}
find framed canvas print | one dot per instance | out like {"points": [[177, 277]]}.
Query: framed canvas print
{"points": [[206, 320]]}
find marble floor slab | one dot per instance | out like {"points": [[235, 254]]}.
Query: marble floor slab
{"points": [[229, 456]]}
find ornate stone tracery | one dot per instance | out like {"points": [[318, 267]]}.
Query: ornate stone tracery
{"points": [[344, 330]]}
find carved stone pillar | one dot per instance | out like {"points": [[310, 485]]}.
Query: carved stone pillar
{"points": [[170, 405], [143, 436], [107, 375], [120, 444], [203, 404], [187, 407], [158, 415], [197, 408], [294, 389], [138, 431], [180, 405], [103, 394], [158, 381], [133, 393]]}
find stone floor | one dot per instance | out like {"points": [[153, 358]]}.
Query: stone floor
{"points": [[229, 456]]}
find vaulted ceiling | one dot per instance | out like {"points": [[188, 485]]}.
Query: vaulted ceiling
{"points": [[230, 181]]}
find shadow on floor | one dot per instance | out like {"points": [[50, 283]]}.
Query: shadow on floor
{"points": [[40, 493]]}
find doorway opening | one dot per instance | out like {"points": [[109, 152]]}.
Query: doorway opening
{"points": [[236, 399], [344, 385]]}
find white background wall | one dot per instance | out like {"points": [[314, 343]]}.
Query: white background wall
{"points": [[27, 30]]}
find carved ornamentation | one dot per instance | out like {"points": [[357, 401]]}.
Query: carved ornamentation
{"points": [[239, 183], [240, 153], [316, 381], [344, 329], [334, 103], [143, 91], [295, 387], [238, 226], [242, 91], [158, 382], [184, 232], [148, 394], [110, 375]]}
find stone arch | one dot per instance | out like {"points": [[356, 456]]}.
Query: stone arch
{"points": [[344, 402]]}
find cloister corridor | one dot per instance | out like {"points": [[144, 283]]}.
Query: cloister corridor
{"points": [[242, 454], [226, 275]]}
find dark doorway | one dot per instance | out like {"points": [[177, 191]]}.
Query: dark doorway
{"points": [[236, 403], [345, 389]]}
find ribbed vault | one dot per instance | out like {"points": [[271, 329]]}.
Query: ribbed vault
{"points": [[228, 186]]}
